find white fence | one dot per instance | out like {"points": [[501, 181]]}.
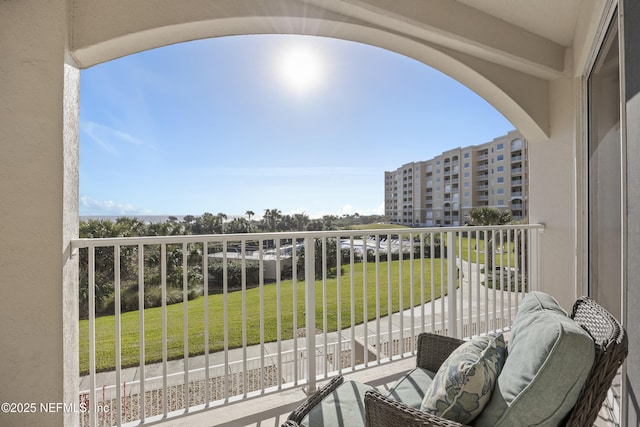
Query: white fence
{"points": [[248, 335]]}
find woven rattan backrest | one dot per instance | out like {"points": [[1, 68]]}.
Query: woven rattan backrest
{"points": [[610, 341]]}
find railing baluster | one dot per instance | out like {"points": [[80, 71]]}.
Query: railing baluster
{"points": [[205, 279], [185, 324], [451, 284], [325, 326], [262, 321], [443, 259], [352, 294], [378, 302], [163, 284], [225, 317], [365, 295], [422, 297], [118, 333], [432, 249], [469, 282], [294, 285], [389, 298], [93, 401], [412, 334], [243, 273], [459, 273], [337, 357], [141, 329], [400, 296], [310, 309], [278, 312]]}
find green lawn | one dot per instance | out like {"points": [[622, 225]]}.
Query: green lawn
{"points": [[256, 298], [507, 257]]}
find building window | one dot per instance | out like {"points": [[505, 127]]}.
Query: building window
{"points": [[500, 179], [466, 185], [501, 202], [466, 165], [466, 175], [466, 155], [466, 194], [500, 169], [500, 191], [500, 146], [500, 157]]}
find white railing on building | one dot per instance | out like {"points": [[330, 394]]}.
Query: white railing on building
{"points": [[413, 280]]}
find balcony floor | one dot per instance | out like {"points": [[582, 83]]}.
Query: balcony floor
{"points": [[272, 410]]}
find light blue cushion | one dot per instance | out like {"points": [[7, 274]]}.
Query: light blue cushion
{"points": [[463, 384], [550, 357], [410, 389], [344, 407]]}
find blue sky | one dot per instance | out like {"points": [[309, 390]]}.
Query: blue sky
{"points": [[219, 125]]}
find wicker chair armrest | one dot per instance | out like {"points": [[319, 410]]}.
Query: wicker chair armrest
{"points": [[301, 411], [434, 349], [290, 423], [382, 411]]}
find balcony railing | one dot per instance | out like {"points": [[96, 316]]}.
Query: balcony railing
{"points": [[357, 298]]}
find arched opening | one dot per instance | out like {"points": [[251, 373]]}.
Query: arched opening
{"points": [[476, 80]]}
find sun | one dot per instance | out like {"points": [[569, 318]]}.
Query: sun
{"points": [[301, 69]]}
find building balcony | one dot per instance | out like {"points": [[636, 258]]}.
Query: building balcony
{"points": [[240, 354]]}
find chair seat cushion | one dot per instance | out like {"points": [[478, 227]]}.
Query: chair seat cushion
{"points": [[344, 407], [462, 386], [410, 389], [549, 359]]}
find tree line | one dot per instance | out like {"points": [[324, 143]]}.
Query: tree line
{"points": [[273, 220]]}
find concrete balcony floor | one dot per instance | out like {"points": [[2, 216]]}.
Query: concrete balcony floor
{"points": [[272, 410]]}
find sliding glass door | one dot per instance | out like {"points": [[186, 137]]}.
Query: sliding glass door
{"points": [[605, 177]]}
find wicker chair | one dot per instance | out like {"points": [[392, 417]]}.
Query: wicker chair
{"points": [[610, 342]]}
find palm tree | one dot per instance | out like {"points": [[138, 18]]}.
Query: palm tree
{"points": [[271, 219], [249, 214], [301, 221], [489, 216], [221, 219], [329, 221], [239, 225]]}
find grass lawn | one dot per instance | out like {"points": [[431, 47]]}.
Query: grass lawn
{"points": [[266, 297]]}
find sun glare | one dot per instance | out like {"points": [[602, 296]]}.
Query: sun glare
{"points": [[301, 69]]}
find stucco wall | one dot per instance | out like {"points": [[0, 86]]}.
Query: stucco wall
{"points": [[552, 195], [32, 43]]}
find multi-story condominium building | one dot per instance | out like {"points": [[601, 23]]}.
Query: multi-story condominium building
{"points": [[441, 191]]}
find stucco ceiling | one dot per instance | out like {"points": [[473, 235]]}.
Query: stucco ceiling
{"points": [[551, 19]]}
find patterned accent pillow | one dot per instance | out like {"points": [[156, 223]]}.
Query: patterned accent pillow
{"points": [[463, 384]]}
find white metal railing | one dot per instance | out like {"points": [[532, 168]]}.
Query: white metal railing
{"points": [[412, 280]]}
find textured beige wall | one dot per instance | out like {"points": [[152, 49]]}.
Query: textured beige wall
{"points": [[32, 43], [552, 195]]}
